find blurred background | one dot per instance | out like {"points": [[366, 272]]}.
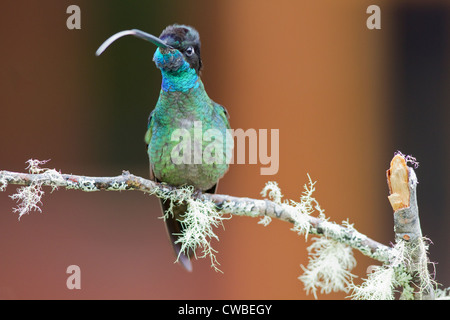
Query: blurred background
{"points": [[344, 98]]}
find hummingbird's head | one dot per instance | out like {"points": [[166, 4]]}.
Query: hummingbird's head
{"points": [[184, 39], [178, 47]]}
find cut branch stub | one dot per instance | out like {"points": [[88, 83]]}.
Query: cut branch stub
{"points": [[402, 183], [397, 177]]}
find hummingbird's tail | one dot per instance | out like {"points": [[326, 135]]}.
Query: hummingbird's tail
{"points": [[174, 230]]}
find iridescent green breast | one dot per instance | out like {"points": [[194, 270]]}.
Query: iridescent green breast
{"points": [[188, 139]]}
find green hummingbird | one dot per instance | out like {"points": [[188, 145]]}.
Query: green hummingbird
{"points": [[188, 138]]}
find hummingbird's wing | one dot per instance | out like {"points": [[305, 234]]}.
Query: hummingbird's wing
{"points": [[224, 115], [223, 112], [147, 139]]}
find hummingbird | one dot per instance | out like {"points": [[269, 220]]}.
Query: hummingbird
{"points": [[183, 107]]}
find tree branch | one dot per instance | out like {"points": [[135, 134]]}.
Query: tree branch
{"points": [[405, 264], [238, 206]]}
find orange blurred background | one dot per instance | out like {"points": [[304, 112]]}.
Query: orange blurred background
{"points": [[344, 98]]}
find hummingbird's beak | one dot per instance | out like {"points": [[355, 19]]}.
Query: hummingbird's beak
{"points": [[134, 32]]}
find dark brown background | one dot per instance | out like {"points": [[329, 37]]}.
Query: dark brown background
{"points": [[344, 98]]}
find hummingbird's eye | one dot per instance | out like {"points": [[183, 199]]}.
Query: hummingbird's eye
{"points": [[189, 51]]}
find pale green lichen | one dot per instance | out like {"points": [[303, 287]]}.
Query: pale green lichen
{"points": [[329, 267], [55, 177], [3, 182], [308, 204], [299, 211], [265, 221], [176, 196], [198, 229], [198, 223], [29, 197], [379, 285], [382, 283], [245, 208], [443, 294], [34, 166], [88, 185], [274, 192], [330, 262], [306, 207], [405, 262], [116, 186], [426, 280]]}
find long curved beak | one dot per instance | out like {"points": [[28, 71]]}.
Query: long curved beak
{"points": [[134, 32]]}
